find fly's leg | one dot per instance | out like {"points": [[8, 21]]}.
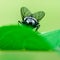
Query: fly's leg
{"points": [[37, 27], [19, 22]]}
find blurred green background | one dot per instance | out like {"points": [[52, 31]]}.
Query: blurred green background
{"points": [[10, 12], [28, 55]]}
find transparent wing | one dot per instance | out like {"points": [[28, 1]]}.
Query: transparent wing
{"points": [[39, 15], [25, 12]]}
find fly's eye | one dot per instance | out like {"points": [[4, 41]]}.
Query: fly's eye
{"points": [[28, 20], [33, 22]]}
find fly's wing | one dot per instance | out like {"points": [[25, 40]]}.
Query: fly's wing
{"points": [[25, 12], [39, 15]]}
